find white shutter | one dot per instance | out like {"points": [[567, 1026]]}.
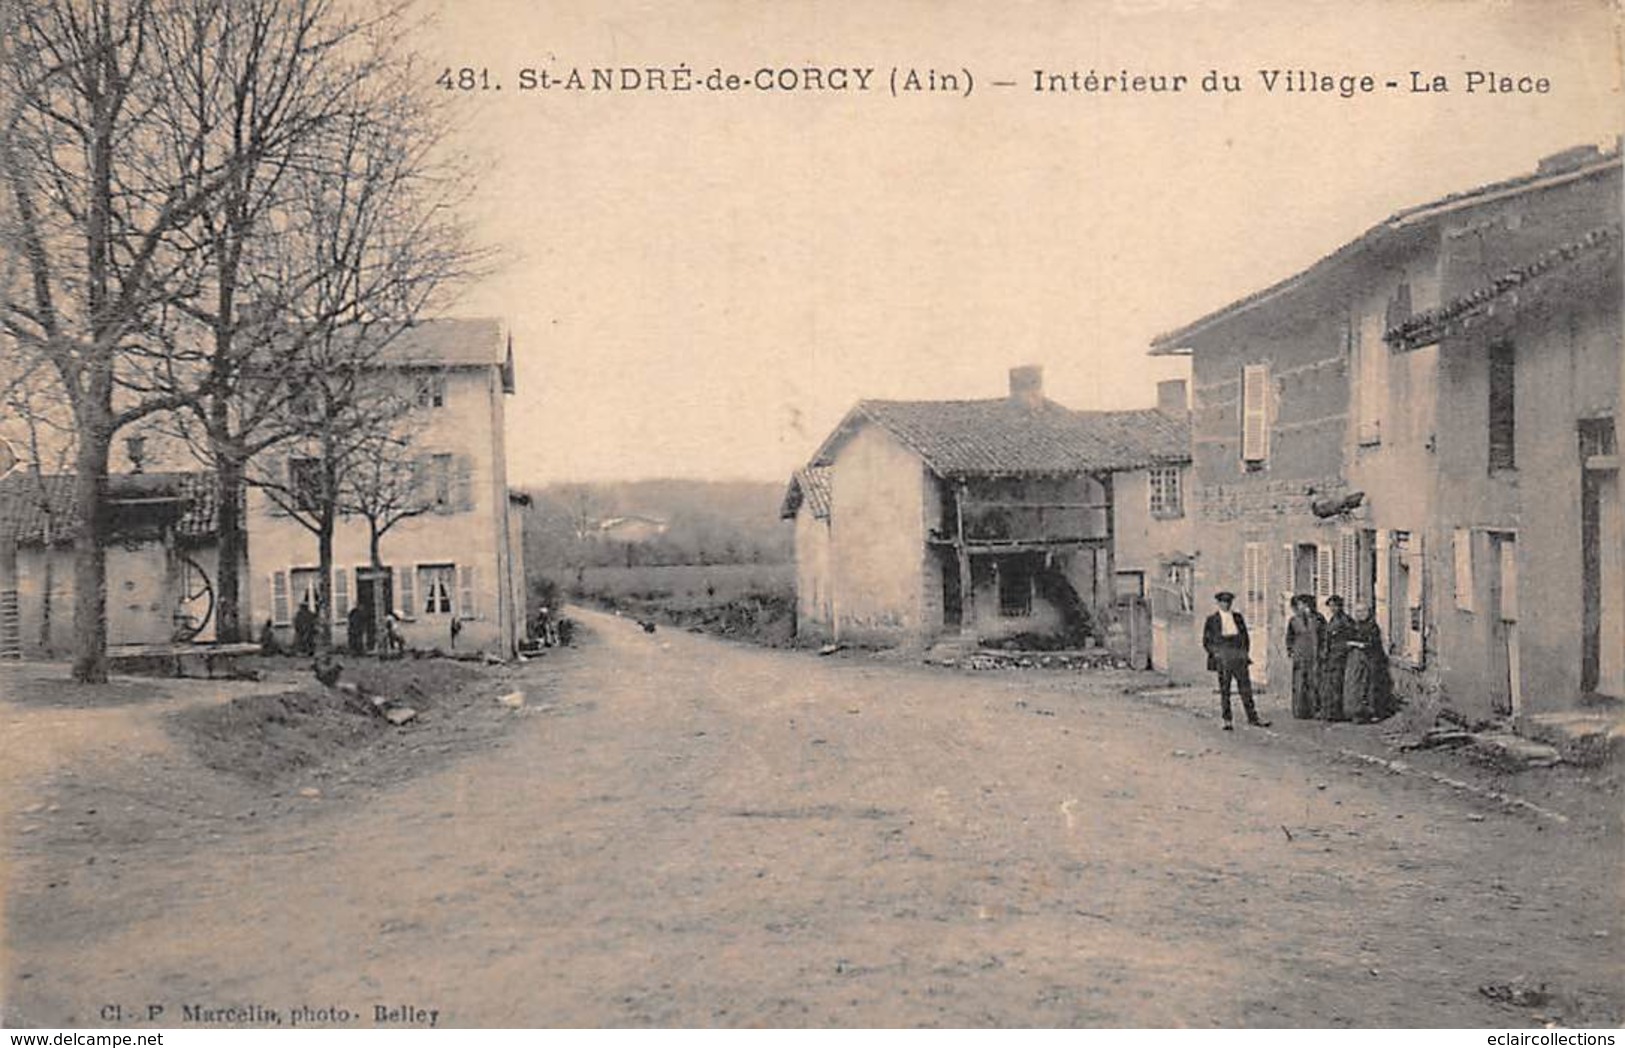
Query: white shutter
{"points": [[1509, 579], [409, 607], [1255, 428], [1255, 584], [341, 594], [279, 598], [1323, 572], [1380, 598], [465, 592], [1415, 598], [1288, 579], [1462, 550]]}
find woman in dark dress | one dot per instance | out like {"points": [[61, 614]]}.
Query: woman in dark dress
{"points": [[1303, 644], [1366, 684], [1334, 660]]}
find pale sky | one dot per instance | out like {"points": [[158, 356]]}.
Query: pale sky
{"points": [[700, 284]]}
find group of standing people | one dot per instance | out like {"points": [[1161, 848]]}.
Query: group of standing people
{"points": [[1339, 664]]}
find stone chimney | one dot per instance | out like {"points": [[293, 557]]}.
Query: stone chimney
{"points": [[1027, 385], [1172, 398]]}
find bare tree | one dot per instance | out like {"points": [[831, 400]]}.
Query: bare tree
{"points": [[384, 487], [204, 199], [376, 244], [101, 239], [282, 73]]}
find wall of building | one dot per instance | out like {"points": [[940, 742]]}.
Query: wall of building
{"points": [[468, 426], [1566, 334], [877, 541], [1153, 545], [814, 618], [142, 595], [1306, 348], [1567, 369], [1391, 449]]}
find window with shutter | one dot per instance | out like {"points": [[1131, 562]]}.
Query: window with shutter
{"points": [[303, 582], [435, 582], [1461, 543], [466, 605], [341, 594], [1255, 430], [281, 615]]}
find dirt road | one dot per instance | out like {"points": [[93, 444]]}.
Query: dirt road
{"points": [[688, 833]]}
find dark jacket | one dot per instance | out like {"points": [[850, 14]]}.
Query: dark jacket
{"points": [[1217, 644]]}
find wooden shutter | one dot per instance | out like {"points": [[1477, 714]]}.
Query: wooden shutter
{"points": [[404, 589], [1348, 560], [1324, 572], [462, 488], [1462, 556], [1255, 598], [1509, 578], [1288, 579], [1255, 428], [341, 594], [1380, 598], [279, 598], [466, 606], [1416, 598]]}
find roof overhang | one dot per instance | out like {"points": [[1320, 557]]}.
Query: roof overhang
{"points": [[1380, 236]]}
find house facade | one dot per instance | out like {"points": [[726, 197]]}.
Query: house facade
{"points": [[989, 521], [452, 572], [1352, 428], [162, 560]]}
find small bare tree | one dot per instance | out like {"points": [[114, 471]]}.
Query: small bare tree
{"points": [[385, 487], [378, 245]]}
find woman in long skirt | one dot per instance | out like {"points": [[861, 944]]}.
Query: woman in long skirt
{"points": [[1366, 676], [1334, 660], [1303, 644]]}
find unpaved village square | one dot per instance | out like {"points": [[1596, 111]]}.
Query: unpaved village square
{"points": [[678, 831]]}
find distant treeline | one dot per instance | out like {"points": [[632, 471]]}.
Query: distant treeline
{"points": [[706, 522]]}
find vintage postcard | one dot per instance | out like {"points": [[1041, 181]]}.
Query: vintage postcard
{"points": [[599, 514]]}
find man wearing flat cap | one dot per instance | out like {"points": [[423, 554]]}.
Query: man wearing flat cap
{"points": [[1224, 635]]}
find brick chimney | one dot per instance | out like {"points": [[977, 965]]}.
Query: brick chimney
{"points": [[1027, 385], [1172, 398]]}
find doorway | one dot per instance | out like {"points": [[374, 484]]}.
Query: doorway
{"points": [[375, 596], [1602, 535]]}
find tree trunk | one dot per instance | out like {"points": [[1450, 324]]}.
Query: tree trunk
{"points": [[90, 557], [324, 584], [228, 626]]}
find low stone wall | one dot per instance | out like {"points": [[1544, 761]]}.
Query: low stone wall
{"points": [[989, 659]]}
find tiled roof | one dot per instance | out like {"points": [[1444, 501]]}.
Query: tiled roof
{"points": [[1581, 165], [1008, 437], [809, 484], [31, 506], [450, 342], [1424, 328]]}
